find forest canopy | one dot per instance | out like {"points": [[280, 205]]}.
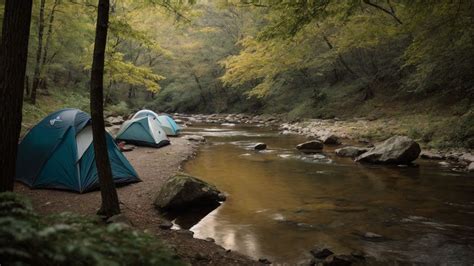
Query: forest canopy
{"points": [[304, 58]]}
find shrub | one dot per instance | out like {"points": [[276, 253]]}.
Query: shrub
{"points": [[118, 109], [68, 239], [462, 131]]}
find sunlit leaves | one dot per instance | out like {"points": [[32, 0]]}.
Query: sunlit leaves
{"points": [[120, 71], [363, 38]]}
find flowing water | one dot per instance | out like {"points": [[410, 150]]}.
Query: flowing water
{"points": [[281, 203]]}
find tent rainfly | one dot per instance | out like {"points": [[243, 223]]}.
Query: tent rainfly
{"points": [[167, 123], [143, 131], [58, 153]]}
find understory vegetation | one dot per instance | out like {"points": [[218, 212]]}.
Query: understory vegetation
{"points": [[68, 239], [376, 59]]}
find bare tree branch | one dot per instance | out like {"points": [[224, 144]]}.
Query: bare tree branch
{"points": [[390, 12]]}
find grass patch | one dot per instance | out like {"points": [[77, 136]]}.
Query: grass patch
{"points": [[46, 104]]}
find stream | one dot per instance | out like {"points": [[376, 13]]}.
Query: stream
{"points": [[282, 203]]}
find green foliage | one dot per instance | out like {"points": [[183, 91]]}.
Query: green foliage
{"points": [[68, 239], [120, 71], [118, 109], [442, 45], [58, 98], [317, 59], [462, 131], [300, 111], [15, 206]]}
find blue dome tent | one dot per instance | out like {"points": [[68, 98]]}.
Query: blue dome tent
{"points": [[58, 153], [166, 122]]}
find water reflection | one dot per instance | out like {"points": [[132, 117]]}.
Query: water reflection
{"points": [[281, 202], [190, 216]]}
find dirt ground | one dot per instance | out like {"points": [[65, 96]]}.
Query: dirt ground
{"points": [[153, 167]]}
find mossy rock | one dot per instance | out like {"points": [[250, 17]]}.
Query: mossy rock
{"points": [[183, 191]]}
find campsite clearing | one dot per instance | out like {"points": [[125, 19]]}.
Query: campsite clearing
{"points": [[153, 167]]}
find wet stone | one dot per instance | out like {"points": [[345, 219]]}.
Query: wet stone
{"points": [[264, 261], [321, 253], [260, 146]]}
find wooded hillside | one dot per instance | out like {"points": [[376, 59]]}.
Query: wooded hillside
{"points": [[321, 59]]}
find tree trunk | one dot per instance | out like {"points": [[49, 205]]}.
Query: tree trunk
{"points": [[13, 57], [130, 92], [39, 50], [48, 42], [27, 86], [201, 90], [110, 204], [49, 33]]}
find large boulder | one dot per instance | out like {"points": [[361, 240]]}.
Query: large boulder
{"points": [[330, 139], [312, 145], [351, 151], [182, 191], [395, 150]]}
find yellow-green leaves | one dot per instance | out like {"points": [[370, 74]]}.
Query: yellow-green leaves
{"points": [[120, 71]]}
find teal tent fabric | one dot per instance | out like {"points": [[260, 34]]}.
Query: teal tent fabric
{"points": [[165, 119], [166, 122], [144, 131], [48, 155]]}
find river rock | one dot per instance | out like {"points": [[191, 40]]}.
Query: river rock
{"points": [[310, 145], [319, 253], [351, 151], [113, 120], [210, 239], [330, 139], [431, 155], [444, 164], [467, 157], [470, 168], [339, 260], [182, 191], [395, 150], [372, 236], [228, 124], [260, 146], [195, 138]]}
